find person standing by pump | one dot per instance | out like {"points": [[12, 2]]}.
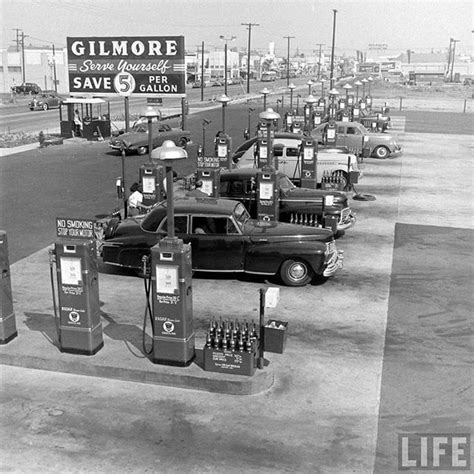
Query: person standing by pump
{"points": [[135, 201]]}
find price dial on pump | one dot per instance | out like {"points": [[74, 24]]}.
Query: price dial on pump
{"points": [[124, 84]]}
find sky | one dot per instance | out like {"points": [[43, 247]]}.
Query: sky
{"points": [[420, 25]]}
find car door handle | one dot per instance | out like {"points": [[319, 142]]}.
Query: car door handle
{"points": [[263, 240]]}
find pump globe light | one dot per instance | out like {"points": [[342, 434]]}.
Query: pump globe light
{"points": [[269, 114], [168, 151], [311, 100]]}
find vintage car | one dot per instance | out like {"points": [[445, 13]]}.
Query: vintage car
{"points": [[136, 141], [287, 153], [45, 100], [297, 205], [376, 122], [224, 238], [27, 88], [352, 134]]}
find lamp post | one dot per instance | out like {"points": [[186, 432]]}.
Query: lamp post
{"points": [[150, 113], [169, 152], [292, 87], [364, 82], [370, 79], [204, 124], [310, 83], [322, 87], [298, 104], [265, 92], [269, 115], [223, 99], [223, 38], [332, 50], [310, 101], [347, 86], [249, 115], [332, 94], [357, 84]]}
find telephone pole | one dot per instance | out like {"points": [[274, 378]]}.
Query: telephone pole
{"points": [[319, 60], [249, 25], [288, 60], [452, 60], [332, 50]]}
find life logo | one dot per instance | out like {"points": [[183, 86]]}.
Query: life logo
{"points": [[74, 317], [168, 327]]}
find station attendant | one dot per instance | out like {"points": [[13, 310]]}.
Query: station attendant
{"points": [[135, 201], [197, 192], [77, 124]]}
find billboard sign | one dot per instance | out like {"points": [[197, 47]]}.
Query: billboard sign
{"points": [[151, 66]]}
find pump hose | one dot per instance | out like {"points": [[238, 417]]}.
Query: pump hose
{"points": [[55, 308], [362, 197], [148, 311]]}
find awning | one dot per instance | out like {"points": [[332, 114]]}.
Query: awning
{"points": [[82, 100]]}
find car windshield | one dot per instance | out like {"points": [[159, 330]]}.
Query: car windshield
{"points": [[285, 183], [241, 215]]}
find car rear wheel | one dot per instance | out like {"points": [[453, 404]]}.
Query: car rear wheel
{"points": [[382, 152], [45, 107], [142, 150], [295, 273]]}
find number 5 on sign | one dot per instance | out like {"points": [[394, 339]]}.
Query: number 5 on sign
{"points": [[124, 84]]}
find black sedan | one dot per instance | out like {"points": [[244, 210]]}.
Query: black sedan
{"points": [[224, 238], [303, 206]]}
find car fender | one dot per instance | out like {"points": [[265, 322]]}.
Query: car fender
{"points": [[267, 257]]}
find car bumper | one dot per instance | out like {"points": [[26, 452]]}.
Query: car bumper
{"points": [[119, 147], [346, 222], [396, 152], [336, 263]]}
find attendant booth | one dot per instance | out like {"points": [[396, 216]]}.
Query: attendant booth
{"points": [[93, 113]]}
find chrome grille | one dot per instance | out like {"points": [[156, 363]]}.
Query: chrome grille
{"points": [[310, 220]]}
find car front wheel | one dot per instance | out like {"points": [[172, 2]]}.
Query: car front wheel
{"points": [[142, 150], [45, 107], [295, 273], [381, 152]]}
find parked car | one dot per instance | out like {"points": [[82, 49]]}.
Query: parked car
{"points": [[296, 205], [352, 134], [224, 238], [45, 100], [27, 88], [136, 141], [287, 151], [376, 122]]}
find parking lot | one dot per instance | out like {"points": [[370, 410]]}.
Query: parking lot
{"points": [[357, 369]]}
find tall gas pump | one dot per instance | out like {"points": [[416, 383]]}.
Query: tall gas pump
{"points": [[223, 146], [152, 177], [317, 118], [330, 134], [78, 323], [7, 316], [350, 100], [355, 113], [368, 101], [263, 149], [208, 172], [267, 196], [309, 163], [288, 121], [171, 281]]}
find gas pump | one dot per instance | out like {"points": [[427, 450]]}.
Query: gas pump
{"points": [[267, 196], [321, 106], [7, 316], [223, 145], [308, 109], [355, 113], [151, 179], [263, 145], [350, 100], [332, 111], [172, 306], [330, 131], [288, 121], [210, 178], [362, 105], [368, 101], [309, 163], [342, 103], [78, 323], [345, 116], [317, 119]]}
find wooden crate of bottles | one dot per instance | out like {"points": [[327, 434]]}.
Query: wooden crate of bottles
{"points": [[332, 182], [231, 347]]}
